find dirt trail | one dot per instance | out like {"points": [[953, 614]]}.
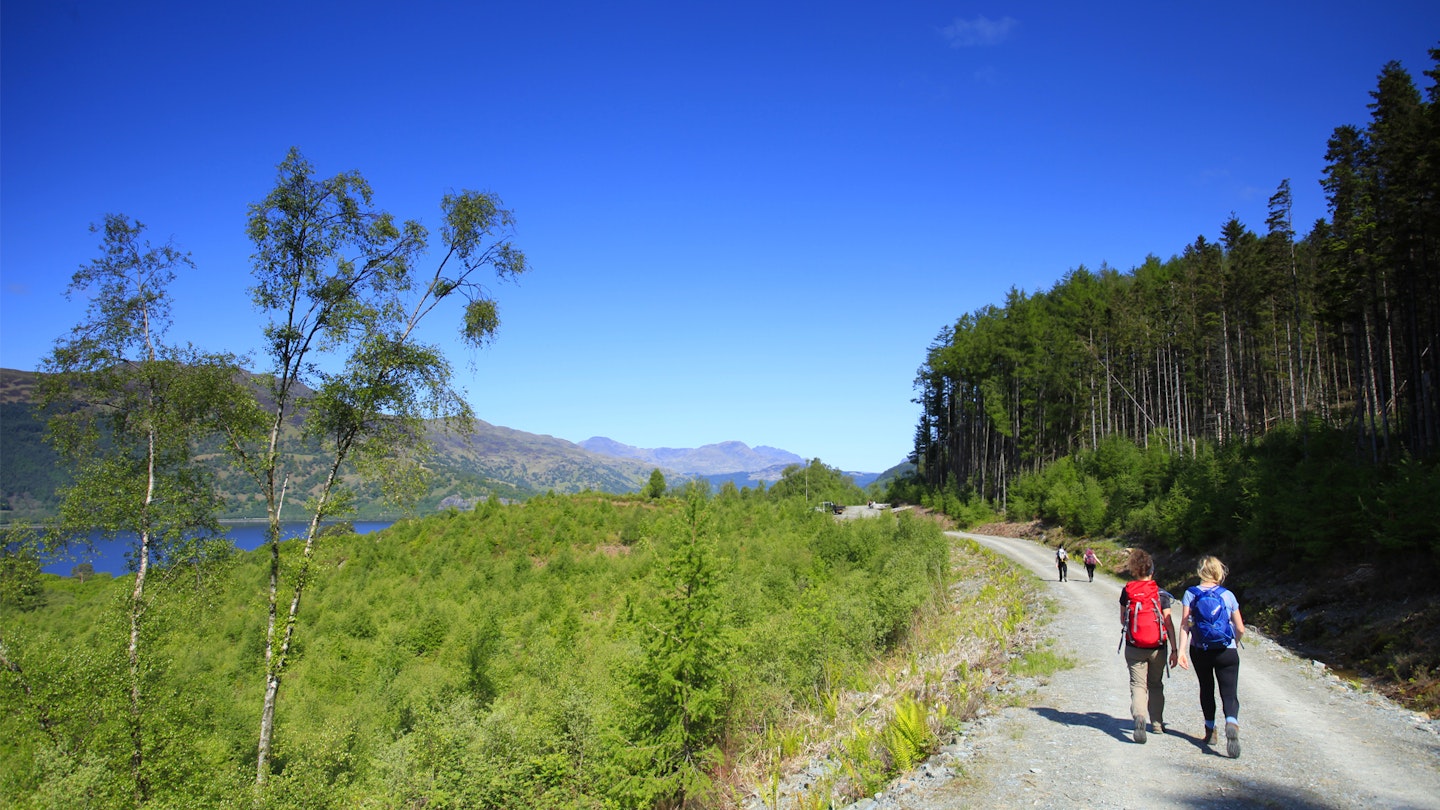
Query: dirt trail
{"points": [[1308, 739]]}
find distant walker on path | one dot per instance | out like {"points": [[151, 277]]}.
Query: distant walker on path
{"points": [[1060, 558]]}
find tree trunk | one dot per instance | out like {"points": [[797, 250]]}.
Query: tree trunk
{"points": [[1371, 394], [272, 672], [137, 610], [275, 666], [1226, 411]]}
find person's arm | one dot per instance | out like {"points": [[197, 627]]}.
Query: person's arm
{"points": [[1170, 634], [1184, 650], [1238, 622]]}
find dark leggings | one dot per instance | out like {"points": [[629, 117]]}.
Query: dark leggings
{"points": [[1221, 665]]}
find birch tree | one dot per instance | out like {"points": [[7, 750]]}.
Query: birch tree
{"points": [[340, 285], [128, 410]]}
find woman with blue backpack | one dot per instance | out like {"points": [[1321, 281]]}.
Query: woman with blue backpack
{"points": [[1212, 626]]}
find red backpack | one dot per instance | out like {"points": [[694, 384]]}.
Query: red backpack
{"points": [[1144, 623]]}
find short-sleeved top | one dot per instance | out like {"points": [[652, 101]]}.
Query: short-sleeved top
{"points": [[1227, 596]]}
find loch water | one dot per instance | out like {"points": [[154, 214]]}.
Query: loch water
{"points": [[112, 556]]}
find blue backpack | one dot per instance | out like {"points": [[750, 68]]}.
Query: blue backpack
{"points": [[1210, 618]]}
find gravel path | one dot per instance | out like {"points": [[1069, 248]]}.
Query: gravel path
{"points": [[1308, 739]]}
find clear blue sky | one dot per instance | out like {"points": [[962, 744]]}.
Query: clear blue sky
{"points": [[746, 220]]}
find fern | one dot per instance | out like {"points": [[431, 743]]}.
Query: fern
{"points": [[865, 769], [908, 737]]}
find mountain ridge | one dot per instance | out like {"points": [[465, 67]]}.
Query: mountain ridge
{"points": [[488, 461], [710, 459]]}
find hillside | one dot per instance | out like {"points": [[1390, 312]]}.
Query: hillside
{"points": [[493, 455], [506, 657], [488, 460]]}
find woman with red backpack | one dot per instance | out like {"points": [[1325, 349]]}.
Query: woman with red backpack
{"points": [[1212, 626], [1148, 628]]}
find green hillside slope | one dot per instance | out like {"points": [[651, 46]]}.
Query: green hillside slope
{"points": [[574, 651]]}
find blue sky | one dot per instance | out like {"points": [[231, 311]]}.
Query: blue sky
{"points": [[746, 221]]}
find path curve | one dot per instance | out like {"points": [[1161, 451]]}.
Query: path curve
{"points": [[1308, 739]]}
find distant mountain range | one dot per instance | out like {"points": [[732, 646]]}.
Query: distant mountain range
{"points": [[733, 461], [711, 459], [489, 460]]}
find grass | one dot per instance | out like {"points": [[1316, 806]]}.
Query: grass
{"points": [[1039, 663], [967, 641]]}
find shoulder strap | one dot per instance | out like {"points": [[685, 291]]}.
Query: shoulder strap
{"points": [[1218, 591]]}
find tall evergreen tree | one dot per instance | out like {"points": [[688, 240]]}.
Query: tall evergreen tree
{"points": [[1405, 217]]}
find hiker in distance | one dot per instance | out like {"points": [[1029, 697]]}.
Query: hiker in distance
{"points": [[1090, 562], [1210, 629], [1148, 629], [1060, 558]]}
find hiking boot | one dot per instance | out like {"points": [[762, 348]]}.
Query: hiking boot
{"points": [[1212, 736], [1157, 728], [1232, 740], [1139, 729]]}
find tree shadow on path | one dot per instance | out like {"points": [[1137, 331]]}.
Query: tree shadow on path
{"points": [[1100, 721]]}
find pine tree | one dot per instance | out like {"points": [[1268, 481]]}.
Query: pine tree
{"points": [[680, 684]]}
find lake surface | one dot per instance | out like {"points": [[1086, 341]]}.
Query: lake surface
{"points": [[109, 556]]}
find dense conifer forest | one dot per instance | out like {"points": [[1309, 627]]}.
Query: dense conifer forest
{"points": [[1274, 392]]}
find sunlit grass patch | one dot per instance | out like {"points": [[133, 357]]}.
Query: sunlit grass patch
{"points": [[1039, 663]]}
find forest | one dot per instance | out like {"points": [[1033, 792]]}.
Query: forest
{"points": [[1272, 393]]}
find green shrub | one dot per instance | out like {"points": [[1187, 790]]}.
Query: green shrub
{"points": [[580, 651]]}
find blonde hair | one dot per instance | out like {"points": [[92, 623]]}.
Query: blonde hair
{"points": [[1212, 570], [1140, 564]]}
